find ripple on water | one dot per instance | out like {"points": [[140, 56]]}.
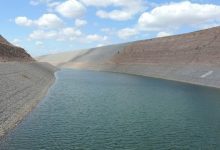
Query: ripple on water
{"points": [[98, 110]]}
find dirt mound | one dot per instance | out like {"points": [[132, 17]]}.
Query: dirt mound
{"points": [[9, 52]]}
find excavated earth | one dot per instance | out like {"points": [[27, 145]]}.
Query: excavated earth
{"points": [[23, 83], [192, 58]]}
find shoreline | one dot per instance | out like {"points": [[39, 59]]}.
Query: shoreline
{"points": [[159, 77], [26, 85], [172, 80]]}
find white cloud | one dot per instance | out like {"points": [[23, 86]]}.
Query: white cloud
{"points": [[43, 35], [69, 34], [80, 23], [49, 21], [105, 3], [175, 15], [23, 21], [95, 38], [126, 9], [62, 34], [98, 3], [118, 15], [45, 21], [164, 34], [37, 2], [127, 32], [53, 4], [71, 9]]}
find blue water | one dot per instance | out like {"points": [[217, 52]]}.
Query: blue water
{"points": [[100, 111]]}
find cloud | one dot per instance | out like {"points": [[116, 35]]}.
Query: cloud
{"points": [[69, 34], [62, 34], [95, 38], [51, 4], [118, 15], [175, 15], [127, 33], [125, 9], [164, 34], [98, 3], [45, 21], [80, 23], [106, 3], [71, 9], [43, 35], [49, 21], [37, 2], [23, 21], [66, 34]]}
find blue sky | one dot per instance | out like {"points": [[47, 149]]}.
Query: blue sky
{"points": [[51, 26]]}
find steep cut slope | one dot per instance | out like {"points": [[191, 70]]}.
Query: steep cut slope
{"points": [[192, 58], [199, 47], [23, 83], [9, 52]]}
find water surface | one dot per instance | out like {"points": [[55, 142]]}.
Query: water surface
{"points": [[99, 110]]}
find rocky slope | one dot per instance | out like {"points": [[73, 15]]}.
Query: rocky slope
{"points": [[9, 52], [23, 83], [192, 57], [198, 47]]}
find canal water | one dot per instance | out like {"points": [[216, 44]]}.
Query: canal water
{"points": [[90, 110]]}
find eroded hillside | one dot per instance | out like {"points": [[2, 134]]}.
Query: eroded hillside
{"points": [[9, 52]]}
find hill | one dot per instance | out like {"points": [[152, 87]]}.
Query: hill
{"points": [[9, 52]]}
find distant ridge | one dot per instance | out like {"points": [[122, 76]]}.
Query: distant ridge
{"points": [[9, 52]]}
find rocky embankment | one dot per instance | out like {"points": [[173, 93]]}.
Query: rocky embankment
{"points": [[192, 58], [9, 52], [23, 83]]}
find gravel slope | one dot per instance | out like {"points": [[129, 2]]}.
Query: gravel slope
{"points": [[22, 86], [192, 58]]}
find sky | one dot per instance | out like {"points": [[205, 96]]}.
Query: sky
{"points": [[52, 26]]}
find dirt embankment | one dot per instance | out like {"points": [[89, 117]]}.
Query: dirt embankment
{"points": [[192, 58], [200, 47], [23, 83]]}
